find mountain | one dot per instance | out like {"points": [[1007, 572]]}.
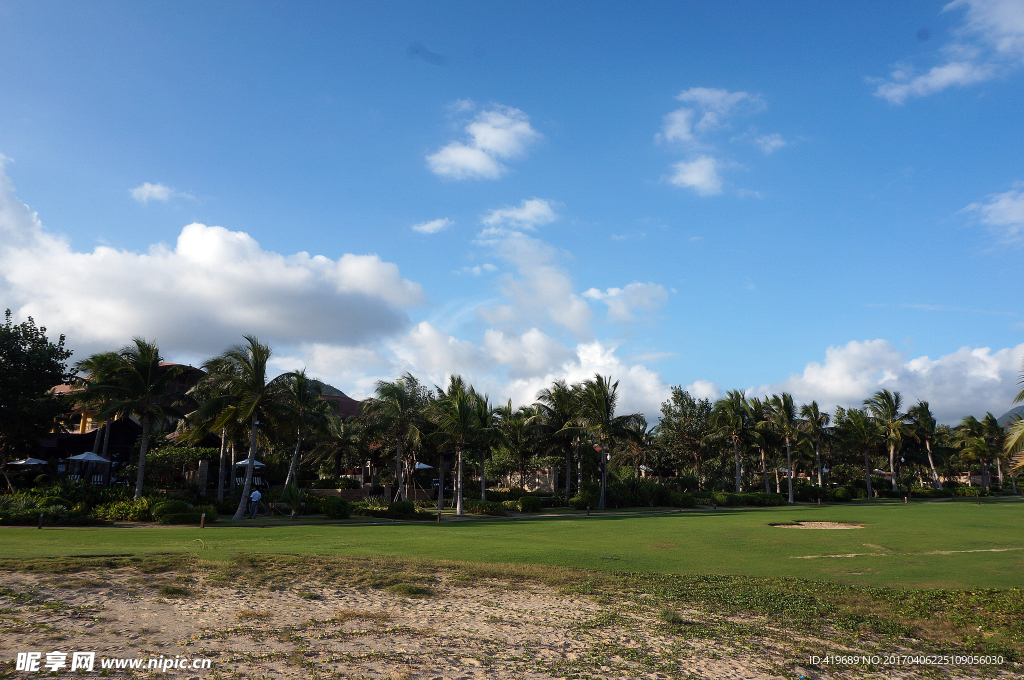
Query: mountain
{"points": [[328, 390], [1006, 417]]}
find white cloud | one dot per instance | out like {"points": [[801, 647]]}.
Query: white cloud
{"points": [[477, 270], [529, 214], [709, 109], [433, 226], [497, 134], [1004, 214], [624, 302], [991, 41], [700, 174], [716, 105], [200, 295], [146, 192], [770, 143], [703, 389], [968, 381]]}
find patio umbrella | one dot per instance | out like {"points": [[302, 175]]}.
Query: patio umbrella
{"points": [[246, 462], [89, 457], [424, 466], [28, 461]]}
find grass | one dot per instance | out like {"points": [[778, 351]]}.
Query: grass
{"points": [[962, 544]]}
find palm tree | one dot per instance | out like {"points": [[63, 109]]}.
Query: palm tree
{"points": [[556, 422], [781, 415], [397, 409], [515, 433], [730, 421], [815, 424], [308, 411], [995, 437], [240, 376], [135, 382], [861, 433], [924, 427], [597, 401], [1014, 445], [884, 408], [458, 423], [756, 409]]}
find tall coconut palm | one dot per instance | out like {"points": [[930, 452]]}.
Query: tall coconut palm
{"points": [[924, 427], [516, 435], [781, 415], [730, 421], [240, 375], [397, 408], [597, 401], [1014, 445], [556, 422], [136, 383], [814, 423], [756, 409], [860, 433], [308, 411], [487, 434], [457, 420], [885, 409]]}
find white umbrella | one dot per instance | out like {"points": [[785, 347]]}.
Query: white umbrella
{"points": [[247, 461], [28, 461], [89, 457], [424, 466]]}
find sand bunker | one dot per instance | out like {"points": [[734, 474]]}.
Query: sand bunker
{"points": [[819, 525]]}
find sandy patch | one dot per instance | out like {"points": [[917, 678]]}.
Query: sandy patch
{"points": [[819, 525]]}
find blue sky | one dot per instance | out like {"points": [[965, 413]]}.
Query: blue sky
{"points": [[822, 199]]}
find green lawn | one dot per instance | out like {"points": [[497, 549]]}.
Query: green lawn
{"points": [[963, 544]]}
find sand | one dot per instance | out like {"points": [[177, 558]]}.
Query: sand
{"points": [[467, 629]]}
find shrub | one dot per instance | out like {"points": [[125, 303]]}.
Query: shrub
{"points": [[529, 504], [335, 508], [761, 498], [681, 500], [171, 507], [126, 511], [510, 505], [841, 495], [402, 508], [190, 517], [484, 507]]}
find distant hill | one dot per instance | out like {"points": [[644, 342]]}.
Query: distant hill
{"points": [[1005, 418], [328, 390]]}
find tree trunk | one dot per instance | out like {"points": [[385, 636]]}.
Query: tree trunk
{"points": [[458, 490], [736, 456], [789, 470], [568, 471], [483, 475], [240, 512], [440, 483], [143, 449], [764, 471], [892, 465], [234, 459], [867, 473], [1013, 478], [99, 437], [931, 463], [398, 471], [295, 459], [220, 472], [999, 471], [817, 457], [986, 477]]}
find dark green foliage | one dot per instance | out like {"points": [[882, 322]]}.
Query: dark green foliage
{"points": [[841, 495], [529, 504], [681, 500], [32, 366], [189, 517], [126, 510], [335, 508], [484, 507], [164, 465], [402, 508], [170, 507]]}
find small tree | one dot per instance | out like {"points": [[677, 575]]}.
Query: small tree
{"points": [[31, 367]]}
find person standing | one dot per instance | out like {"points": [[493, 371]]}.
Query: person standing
{"points": [[254, 501]]}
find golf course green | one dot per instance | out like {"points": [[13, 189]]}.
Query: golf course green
{"points": [[961, 544]]}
